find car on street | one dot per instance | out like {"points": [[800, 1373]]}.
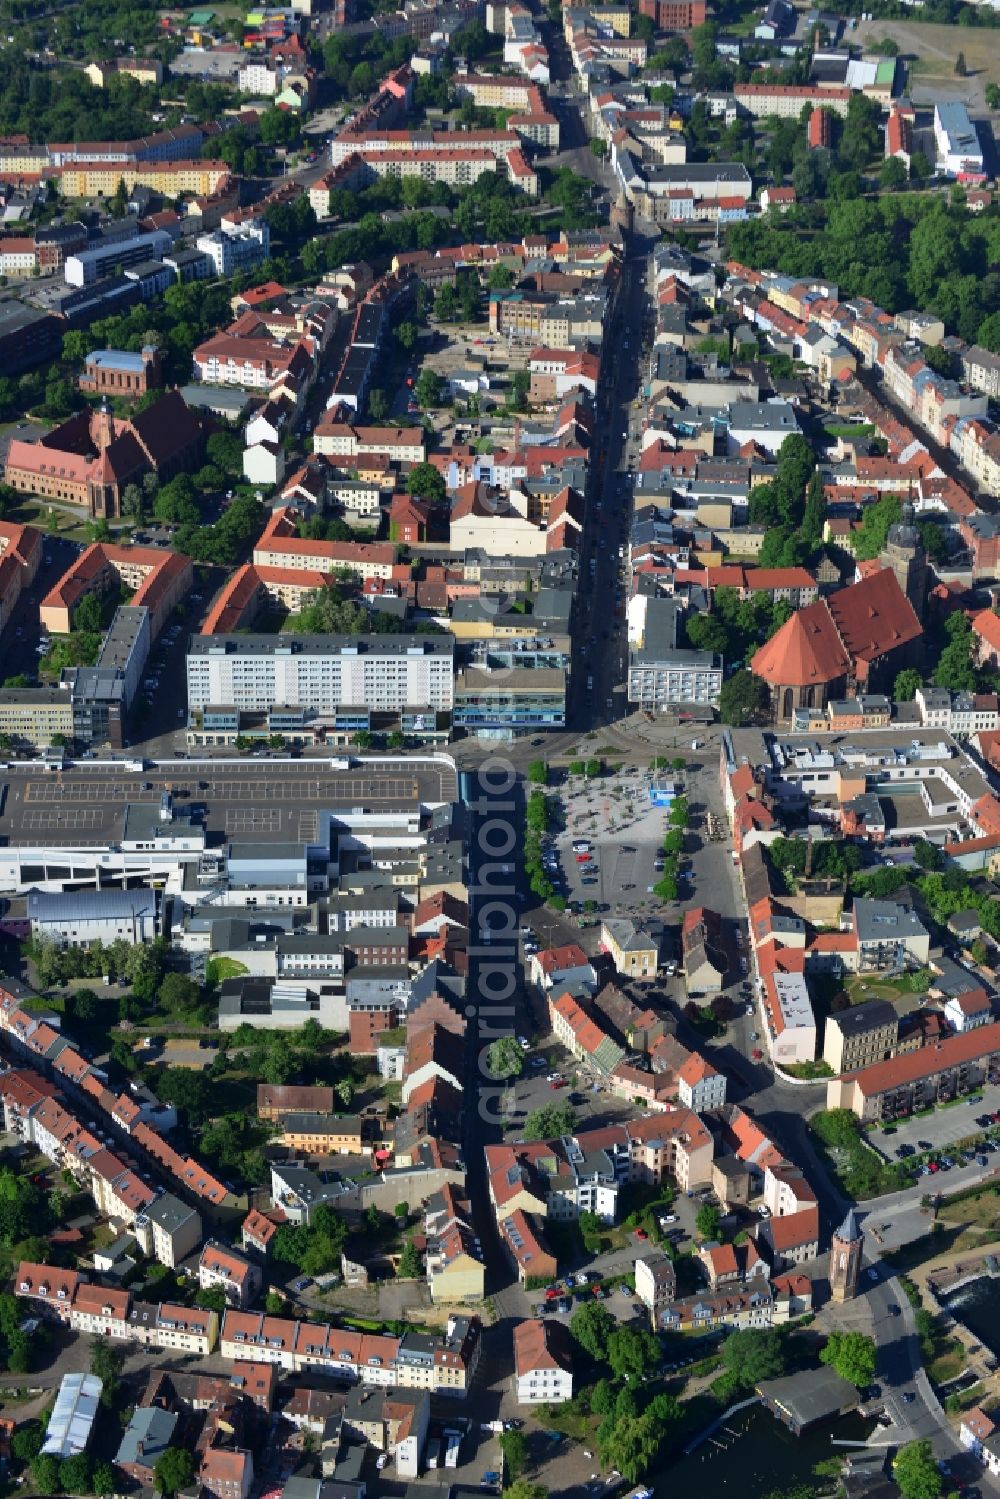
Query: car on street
{"points": [[872, 1273], [641, 1233], [908, 1397], [302, 1283]]}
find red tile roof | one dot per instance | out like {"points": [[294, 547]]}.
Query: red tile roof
{"points": [[912, 1066]]}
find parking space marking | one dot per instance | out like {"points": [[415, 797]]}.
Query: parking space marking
{"points": [[329, 790]]}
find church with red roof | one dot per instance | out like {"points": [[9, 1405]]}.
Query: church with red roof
{"points": [[857, 640]]}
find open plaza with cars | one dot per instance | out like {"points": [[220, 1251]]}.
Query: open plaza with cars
{"points": [[607, 846]]}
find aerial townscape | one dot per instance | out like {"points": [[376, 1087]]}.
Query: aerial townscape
{"points": [[500, 749]]}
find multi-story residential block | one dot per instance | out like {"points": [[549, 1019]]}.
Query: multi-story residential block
{"points": [[168, 1230], [981, 370], [660, 679], [445, 1365], [889, 936], [859, 1036], [241, 249], [635, 946], [87, 266], [787, 100], [918, 1079], [580, 1034], [655, 1284], [960, 153], [321, 674]]}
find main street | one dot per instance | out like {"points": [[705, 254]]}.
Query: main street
{"points": [[597, 691]]}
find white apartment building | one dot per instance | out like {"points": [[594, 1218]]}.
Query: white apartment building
{"points": [[241, 249], [543, 1367], [259, 78], [321, 673], [959, 151], [658, 680]]}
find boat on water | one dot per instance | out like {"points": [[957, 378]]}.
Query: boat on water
{"points": [[641, 1494]]}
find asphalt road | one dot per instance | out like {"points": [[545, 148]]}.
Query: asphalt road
{"points": [[597, 690]]}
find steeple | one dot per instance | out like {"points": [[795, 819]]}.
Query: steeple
{"points": [[846, 1249], [850, 1229]]}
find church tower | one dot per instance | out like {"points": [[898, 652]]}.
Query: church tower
{"points": [[904, 553], [845, 1258]]}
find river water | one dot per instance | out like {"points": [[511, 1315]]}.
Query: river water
{"points": [[977, 1305], [762, 1455]]}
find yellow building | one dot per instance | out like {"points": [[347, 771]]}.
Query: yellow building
{"points": [[617, 17], [93, 179], [33, 715], [319, 1134]]}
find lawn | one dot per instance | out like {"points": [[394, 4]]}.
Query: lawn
{"points": [[847, 430], [863, 987], [217, 969], [978, 1209], [37, 512]]}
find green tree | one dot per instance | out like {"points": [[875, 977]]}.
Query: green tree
{"points": [[752, 1354], [927, 855], [504, 1057], [853, 1355], [26, 1443], [538, 773], [744, 699], [592, 1325], [74, 1474], [916, 1471], [501, 278], [88, 614], [630, 1444], [907, 682], [514, 1446], [521, 1488], [892, 175], [410, 1263], [103, 1481], [45, 1473], [106, 1362], [955, 669], [427, 482], [961, 66], [991, 94], [550, 1121], [707, 1221], [274, 1304], [870, 539], [706, 632], [633, 1354], [174, 1469]]}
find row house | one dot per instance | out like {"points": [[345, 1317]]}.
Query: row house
{"points": [[111, 1313], [445, 1364]]}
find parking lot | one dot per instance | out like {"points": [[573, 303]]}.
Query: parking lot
{"points": [[941, 1130], [589, 1095]]}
